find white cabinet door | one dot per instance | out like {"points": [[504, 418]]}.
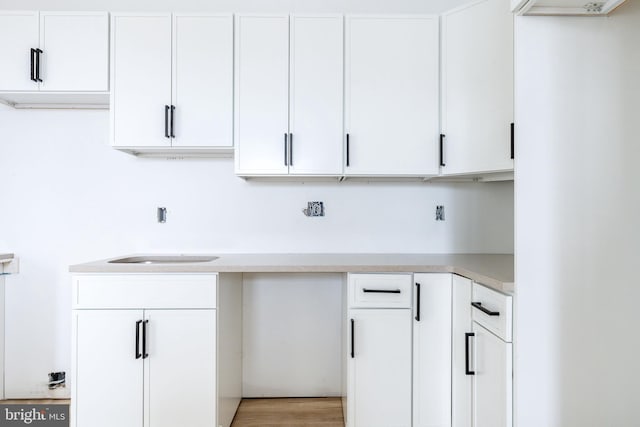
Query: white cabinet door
{"points": [[379, 378], [432, 351], [180, 372], [140, 79], [316, 95], [461, 326], [107, 378], [75, 51], [203, 80], [392, 96], [477, 88], [18, 35], [493, 380], [261, 94]]}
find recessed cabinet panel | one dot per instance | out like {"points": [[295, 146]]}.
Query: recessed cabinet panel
{"points": [[316, 104], [141, 80], [107, 373], [392, 95], [18, 35], [180, 372], [203, 80], [461, 381], [380, 370], [75, 51], [261, 94], [477, 88]]}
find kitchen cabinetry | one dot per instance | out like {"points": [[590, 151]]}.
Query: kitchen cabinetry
{"points": [[482, 356], [172, 83], [477, 89], [379, 359], [289, 95], [432, 350], [54, 57], [391, 95], [146, 344]]}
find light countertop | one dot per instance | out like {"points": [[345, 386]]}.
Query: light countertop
{"points": [[495, 271], [4, 258]]}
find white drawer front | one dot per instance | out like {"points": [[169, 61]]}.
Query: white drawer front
{"points": [[489, 302], [123, 291], [380, 290]]}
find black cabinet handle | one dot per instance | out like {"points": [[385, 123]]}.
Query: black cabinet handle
{"points": [[286, 155], [417, 302], [33, 69], [479, 306], [144, 339], [348, 150], [353, 339], [467, 370], [290, 149], [173, 109], [381, 291], [38, 52], [166, 121], [513, 140], [138, 354], [442, 136]]}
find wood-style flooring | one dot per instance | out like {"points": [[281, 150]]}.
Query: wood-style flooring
{"points": [[289, 412]]}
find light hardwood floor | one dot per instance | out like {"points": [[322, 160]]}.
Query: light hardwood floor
{"points": [[303, 412]]}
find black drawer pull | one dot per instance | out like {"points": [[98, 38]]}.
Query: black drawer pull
{"points": [[467, 370], [144, 339], [381, 291], [479, 306], [417, 302]]}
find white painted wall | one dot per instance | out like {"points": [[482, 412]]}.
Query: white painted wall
{"points": [[68, 197], [578, 220]]}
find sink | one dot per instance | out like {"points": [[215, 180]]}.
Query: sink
{"points": [[164, 259]]}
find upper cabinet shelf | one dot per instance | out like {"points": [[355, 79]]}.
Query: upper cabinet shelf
{"points": [[564, 7], [56, 59]]}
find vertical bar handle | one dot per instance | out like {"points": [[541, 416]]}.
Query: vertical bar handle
{"points": [[173, 109], [467, 370], [348, 150], [417, 302], [290, 149], [138, 354], [286, 155], [144, 339], [38, 52], [513, 140], [442, 136], [166, 121], [32, 62], [353, 339]]}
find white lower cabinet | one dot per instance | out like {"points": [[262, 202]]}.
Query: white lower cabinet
{"points": [[482, 380], [432, 350], [150, 359], [379, 354]]}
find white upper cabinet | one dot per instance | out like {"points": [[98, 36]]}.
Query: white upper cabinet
{"points": [[316, 95], [392, 95], [289, 95], [141, 80], [54, 58], [262, 87], [477, 88], [171, 89], [18, 39], [203, 80]]}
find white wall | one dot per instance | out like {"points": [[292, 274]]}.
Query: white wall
{"points": [[578, 220], [69, 198]]}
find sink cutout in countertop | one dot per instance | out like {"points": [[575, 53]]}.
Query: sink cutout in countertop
{"points": [[164, 259]]}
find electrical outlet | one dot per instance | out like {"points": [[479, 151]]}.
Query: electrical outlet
{"points": [[440, 213], [314, 209]]}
